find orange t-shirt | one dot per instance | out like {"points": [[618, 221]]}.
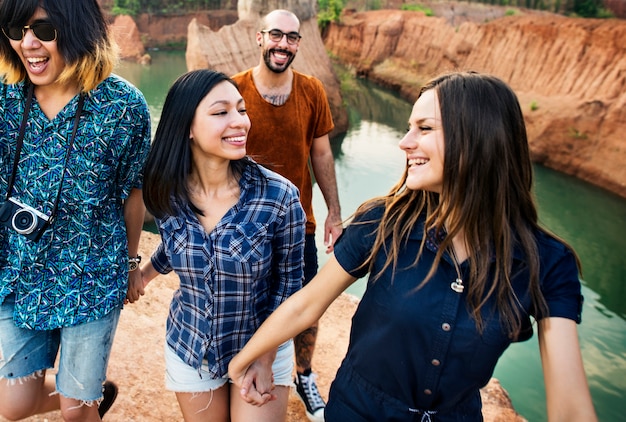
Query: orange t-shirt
{"points": [[281, 136]]}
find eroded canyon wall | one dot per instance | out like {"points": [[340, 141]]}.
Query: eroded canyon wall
{"points": [[569, 74]]}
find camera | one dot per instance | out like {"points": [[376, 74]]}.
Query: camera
{"points": [[23, 219]]}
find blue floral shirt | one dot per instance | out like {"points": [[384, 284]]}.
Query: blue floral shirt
{"points": [[232, 278], [78, 271]]}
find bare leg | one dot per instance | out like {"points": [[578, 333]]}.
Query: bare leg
{"points": [[209, 406], [35, 395], [27, 397], [306, 386], [274, 411], [77, 411], [304, 343]]}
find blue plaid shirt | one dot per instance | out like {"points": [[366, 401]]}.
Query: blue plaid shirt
{"points": [[232, 278], [78, 271]]}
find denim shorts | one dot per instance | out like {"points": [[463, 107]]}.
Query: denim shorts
{"points": [[182, 378], [85, 350]]}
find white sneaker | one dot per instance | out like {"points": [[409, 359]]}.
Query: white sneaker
{"points": [[307, 391]]}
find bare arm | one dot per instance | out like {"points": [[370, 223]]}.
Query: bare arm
{"points": [[323, 165], [148, 273], [134, 214], [567, 392], [260, 389], [298, 312]]}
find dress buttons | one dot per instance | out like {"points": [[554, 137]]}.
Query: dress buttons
{"points": [[428, 392], [435, 362], [445, 326]]}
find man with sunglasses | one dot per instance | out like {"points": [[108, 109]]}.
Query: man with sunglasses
{"points": [[291, 120], [73, 142]]}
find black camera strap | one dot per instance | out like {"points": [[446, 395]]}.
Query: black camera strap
{"points": [[20, 142]]}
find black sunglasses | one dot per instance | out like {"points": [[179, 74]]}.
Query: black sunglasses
{"points": [[44, 31], [276, 35]]}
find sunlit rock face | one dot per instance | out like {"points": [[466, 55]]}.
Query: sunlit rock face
{"points": [[127, 36]]}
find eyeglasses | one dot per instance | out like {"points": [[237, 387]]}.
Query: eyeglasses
{"points": [[44, 31], [277, 35]]}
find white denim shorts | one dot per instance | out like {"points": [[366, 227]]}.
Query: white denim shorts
{"points": [[182, 378]]}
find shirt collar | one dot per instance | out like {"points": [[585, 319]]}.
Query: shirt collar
{"points": [[435, 237]]}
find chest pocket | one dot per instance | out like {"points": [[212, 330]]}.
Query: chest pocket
{"points": [[248, 242], [178, 237]]}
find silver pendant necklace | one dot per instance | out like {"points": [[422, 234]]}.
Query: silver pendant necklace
{"points": [[456, 285]]}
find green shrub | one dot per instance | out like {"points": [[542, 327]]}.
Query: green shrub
{"points": [[604, 14], [328, 11], [417, 8], [576, 134], [126, 7], [117, 11]]}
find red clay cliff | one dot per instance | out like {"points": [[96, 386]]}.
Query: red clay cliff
{"points": [[569, 74]]}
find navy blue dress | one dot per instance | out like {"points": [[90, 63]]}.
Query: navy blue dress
{"points": [[416, 354]]}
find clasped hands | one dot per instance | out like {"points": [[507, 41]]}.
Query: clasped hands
{"points": [[136, 285], [256, 381]]}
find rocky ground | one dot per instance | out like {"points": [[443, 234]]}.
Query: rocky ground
{"points": [[138, 368]]}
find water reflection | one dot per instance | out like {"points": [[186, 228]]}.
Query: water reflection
{"points": [[154, 79], [594, 222], [368, 102]]}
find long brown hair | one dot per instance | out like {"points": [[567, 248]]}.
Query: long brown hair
{"points": [[486, 195]]}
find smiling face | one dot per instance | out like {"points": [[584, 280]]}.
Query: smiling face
{"points": [[42, 59], [220, 124], [424, 145], [278, 55]]}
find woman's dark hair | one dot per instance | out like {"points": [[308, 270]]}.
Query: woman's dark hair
{"points": [[169, 161], [486, 193], [83, 39]]}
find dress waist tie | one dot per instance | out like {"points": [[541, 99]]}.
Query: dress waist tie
{"points": [[425, 414]]}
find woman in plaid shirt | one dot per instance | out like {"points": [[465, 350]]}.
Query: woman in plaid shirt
{"points": [[233, 231]]}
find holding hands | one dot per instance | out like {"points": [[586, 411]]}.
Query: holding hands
{"points": [[135, 286], [256, 381]]}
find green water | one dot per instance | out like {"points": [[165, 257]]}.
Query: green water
{"points": [[369, 162]]}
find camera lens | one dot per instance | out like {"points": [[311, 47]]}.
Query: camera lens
{"points": [[24, 221]]}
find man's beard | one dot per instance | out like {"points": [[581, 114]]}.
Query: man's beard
{"points": [[267, 58]]}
